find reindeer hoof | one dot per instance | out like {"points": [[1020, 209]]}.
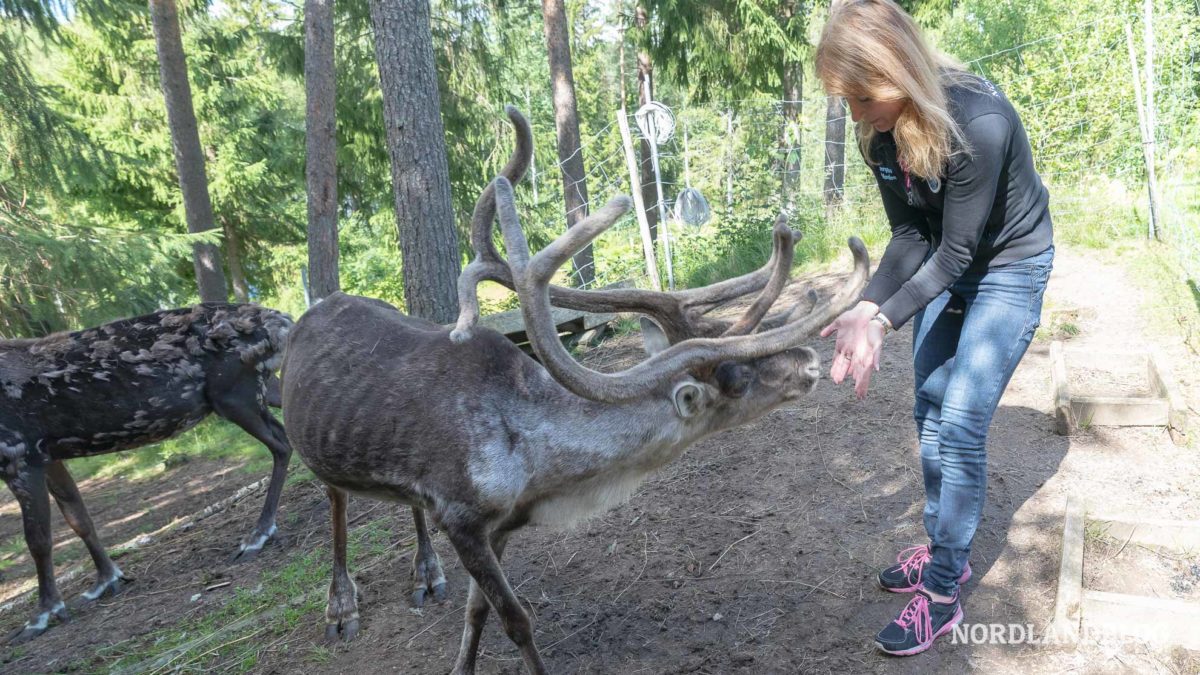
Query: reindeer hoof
{"points": [[437, 593], [110, 587], [342, 630], [251, 546], [39, 624]]}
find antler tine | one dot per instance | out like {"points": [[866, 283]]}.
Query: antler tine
{"points": [[809, 300], [530, 277], [783, 253], [485, 207], [468, 294], [679, 313], [709, 297], [488, 265]]}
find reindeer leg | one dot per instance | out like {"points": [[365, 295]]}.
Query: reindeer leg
{"points": [[29, 487], [427, 574], [257, 421], [477, 613], [109, 578], [341, 611], [478, 557]]}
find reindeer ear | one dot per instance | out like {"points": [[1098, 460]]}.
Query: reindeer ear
{"points": [[653, 338], [689, 399]]}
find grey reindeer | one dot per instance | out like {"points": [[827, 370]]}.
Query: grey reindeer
{"points": [[460, 423], [120, 386]]}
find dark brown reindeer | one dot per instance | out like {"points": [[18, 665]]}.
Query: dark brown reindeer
{"points": [[124, 385], [464, 425]]}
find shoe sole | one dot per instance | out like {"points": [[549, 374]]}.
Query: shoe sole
{"points": [[966, 576], [958, 617]]}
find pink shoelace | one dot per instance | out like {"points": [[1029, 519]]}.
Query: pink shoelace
{"points": [[916, 616], [913, 558]]}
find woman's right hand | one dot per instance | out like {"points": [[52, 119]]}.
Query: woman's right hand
{"points": [[852, 339]]}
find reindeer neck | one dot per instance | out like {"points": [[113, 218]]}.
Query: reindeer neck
{"points": [[582, 438]]}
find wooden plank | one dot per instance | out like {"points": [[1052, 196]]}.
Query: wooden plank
{"points": [[1152, 619], [512, 323], [1162, 381], [1104, 360], [1119, 411], [1062, 397], [1067, 604], [1178, 535]]}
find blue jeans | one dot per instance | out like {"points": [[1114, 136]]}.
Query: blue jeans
{"points": [[966, 345]]}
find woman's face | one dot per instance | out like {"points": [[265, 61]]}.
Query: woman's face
{"points": [[881, 115]]}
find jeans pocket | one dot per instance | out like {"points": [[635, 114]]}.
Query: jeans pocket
{"points": [[1039, 277]]}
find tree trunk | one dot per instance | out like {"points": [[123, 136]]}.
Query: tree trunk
{"points": [[417, 146], [320, 166], [835, 150], [241, 291], [646, 169], [566, 121], [189, 160], [793, 108]]}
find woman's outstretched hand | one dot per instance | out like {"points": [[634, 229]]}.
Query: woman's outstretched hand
{"points": [[859, 343]]}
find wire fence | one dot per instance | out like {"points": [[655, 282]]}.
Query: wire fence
{"points": [[751, 159]]}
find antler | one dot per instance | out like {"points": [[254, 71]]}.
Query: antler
{"points": [[681, 314], [531, 277]]}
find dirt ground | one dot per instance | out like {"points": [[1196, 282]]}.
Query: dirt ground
{"points": [[755, 552]]}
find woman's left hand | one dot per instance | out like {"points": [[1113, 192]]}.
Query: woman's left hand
{"points": [[859, 345]]}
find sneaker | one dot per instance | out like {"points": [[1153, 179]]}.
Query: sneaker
{"points": [[905, 575], [920, 623]]}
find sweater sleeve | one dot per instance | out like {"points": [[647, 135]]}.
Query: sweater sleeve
{"points": [[906, 250], [971, 185]]}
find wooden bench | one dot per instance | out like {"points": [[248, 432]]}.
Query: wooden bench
{"points": [[569, 322]]}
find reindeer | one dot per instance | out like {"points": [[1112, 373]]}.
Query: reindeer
{"points": [[464, 425], [121, 386]]}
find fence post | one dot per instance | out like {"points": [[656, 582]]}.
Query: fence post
{"points": [[729, 163], [1151, 114], [533, 153], [639, 206], [662, 207], [1146, 141]]}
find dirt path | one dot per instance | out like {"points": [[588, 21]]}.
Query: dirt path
{"points": [[754, 553]]}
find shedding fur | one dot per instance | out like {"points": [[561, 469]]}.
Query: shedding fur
{"points": [[123, 385]]}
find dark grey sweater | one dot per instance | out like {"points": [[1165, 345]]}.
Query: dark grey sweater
{"points": [[989, 208]]}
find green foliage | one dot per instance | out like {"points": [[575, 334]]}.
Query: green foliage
{"points": [[55, 276], [214, 439], [726, 48], [284, 599]]}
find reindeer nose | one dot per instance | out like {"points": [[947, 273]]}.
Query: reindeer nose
{"points": [[812, 365], [813, 370]]}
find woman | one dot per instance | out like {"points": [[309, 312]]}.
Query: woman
{"points": [[970, 253]]}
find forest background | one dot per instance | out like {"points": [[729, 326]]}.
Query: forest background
{"points": [[92, 224]]}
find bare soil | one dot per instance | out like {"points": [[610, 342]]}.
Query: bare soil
{"points": [[755, 552], [1119, 566]]}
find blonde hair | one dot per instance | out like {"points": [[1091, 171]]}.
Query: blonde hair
{"points": [[874, 49]]}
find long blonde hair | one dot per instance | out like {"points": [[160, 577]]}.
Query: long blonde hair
{"points": [[874, 49]]}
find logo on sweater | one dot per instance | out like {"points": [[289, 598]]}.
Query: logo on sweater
{"points": [[886, 173]]}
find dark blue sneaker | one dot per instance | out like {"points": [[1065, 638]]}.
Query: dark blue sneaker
{"points": [[920, 623], [905, 575]]}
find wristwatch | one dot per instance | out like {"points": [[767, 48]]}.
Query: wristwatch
{"points": [[882, 320]]}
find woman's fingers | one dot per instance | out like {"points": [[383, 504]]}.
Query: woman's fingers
{"points": [[861, 383], [863, 367], [839, 367]]}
